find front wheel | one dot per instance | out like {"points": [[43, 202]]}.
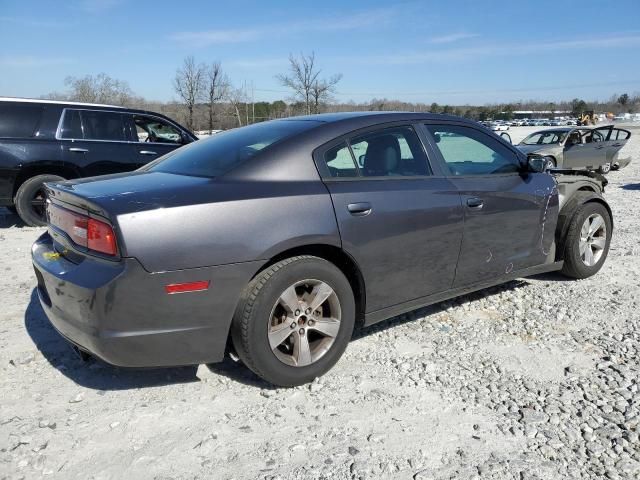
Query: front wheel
{"points": [[294, 320], [587, 241], [605, 168], [549, 163], [30, 200]]}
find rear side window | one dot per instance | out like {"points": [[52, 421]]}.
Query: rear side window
{"points": [[99, 125], [390, 152], [19, 120], [467, 151], [223, 152], [340, 162]]}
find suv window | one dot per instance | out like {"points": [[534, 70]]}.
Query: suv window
{"points": [[99, 125], [71, 125], [467, 151], [340, 161], [394, 151], [19, 120], [152, 129]]}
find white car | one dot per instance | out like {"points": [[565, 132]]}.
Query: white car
{"points": [[499, 127]]}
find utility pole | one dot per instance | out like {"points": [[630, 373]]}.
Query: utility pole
{"points": [[253, 103]]}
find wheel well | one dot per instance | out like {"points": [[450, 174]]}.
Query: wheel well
{"points": [[48, 169], [340, 259]]}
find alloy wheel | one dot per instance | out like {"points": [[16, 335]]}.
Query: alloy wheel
{"points": [[304, 322], [593, 239]]}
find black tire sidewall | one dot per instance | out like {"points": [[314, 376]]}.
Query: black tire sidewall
{"points": [[264, 361], [25, 194], [572, 252]]}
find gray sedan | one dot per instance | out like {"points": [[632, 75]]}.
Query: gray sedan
{"points": [[272, 241], [579, 148]]}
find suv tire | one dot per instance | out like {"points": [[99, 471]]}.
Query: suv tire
{"points": [[30, 199]]}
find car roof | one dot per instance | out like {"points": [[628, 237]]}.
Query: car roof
{"points": [[374, 116], [55, 102]]}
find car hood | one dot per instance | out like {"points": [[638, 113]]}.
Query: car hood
{"points": [[526, 149]]}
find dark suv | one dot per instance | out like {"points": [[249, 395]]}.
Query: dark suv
{"points": [[43, 141]]}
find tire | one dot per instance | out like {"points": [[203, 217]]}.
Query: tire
{"points": [[262, 318], [605, 168], [30, 201], [576, 265], [550, 163]]}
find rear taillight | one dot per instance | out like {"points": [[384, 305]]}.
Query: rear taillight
{"points": [[84, 231]]}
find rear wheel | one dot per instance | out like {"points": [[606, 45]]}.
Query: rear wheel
{"points": [[294, 320], [30, 200], [587, 241]]}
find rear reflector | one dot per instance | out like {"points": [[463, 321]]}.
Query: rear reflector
{"points": [[186, 287]]}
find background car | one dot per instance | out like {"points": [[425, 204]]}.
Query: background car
{"points": [[42, 141], [578, 148], [277, 238]]}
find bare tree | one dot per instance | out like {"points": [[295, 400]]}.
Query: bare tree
{"points": [[217, 86], [100, 88], [322, 91], [236, 98], [303, 79], [189, 85]]}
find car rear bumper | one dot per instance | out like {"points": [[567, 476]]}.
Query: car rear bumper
{"points": [[121, 313]]}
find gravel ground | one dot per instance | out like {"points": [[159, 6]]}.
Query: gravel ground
{"points": [[534, 379]]}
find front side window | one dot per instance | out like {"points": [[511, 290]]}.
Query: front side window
{"points": [[224, 151], [390, 152], [19, 120], [155, 130], [467, 151], [99, 125]]}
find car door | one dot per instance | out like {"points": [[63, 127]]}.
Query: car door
{"points": [[152, 137], [616, 139], [95, 142], [509, 215], [590, 153], [401, 223]]}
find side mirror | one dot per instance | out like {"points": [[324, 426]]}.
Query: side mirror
{"points": [[506, 137], [536, 164], [361, 161], [184, 138], [436, 137]]}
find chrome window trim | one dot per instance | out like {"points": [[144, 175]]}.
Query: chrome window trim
{"points": [[122, 112]]}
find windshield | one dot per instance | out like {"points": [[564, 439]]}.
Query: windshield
{"points": [[547, 137], [224, 151]]}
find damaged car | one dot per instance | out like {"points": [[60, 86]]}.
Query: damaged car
{"points": [[271, 242], [579, 148]]}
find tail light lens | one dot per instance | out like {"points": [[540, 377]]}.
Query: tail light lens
{"points": [[84, 231]]}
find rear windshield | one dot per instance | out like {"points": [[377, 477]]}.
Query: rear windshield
{"points": [[224, 151], [19, 120]]}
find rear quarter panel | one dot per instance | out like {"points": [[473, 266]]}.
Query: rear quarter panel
{"points": [[244, 221]]}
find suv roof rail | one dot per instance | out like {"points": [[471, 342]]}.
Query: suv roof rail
{"points": [[57, 102]]}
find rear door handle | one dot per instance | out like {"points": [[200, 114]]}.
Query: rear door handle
{"points": [[78, 150], [475, 203], [359, 209], [147, 152]]}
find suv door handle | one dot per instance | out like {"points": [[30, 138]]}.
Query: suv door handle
{"points": [[475, 203], [78, 150], [147, 152], [359, 209]]}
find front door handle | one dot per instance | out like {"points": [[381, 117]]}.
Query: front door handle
{"points": [[600, 147], [78, 150], [359, 209], [475, 203], [147, 152]]}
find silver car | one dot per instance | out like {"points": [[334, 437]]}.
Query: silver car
{"points": [[579, 148]]}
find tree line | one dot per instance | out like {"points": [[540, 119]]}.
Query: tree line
{"points": [[208, 100]]}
